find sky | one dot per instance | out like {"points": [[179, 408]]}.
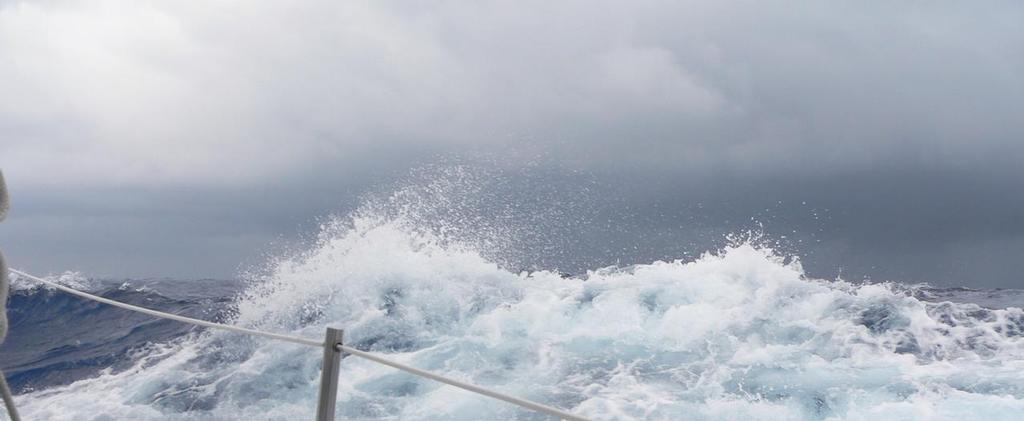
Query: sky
{"points": [[875, 140]]}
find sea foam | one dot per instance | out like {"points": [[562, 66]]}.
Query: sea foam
{"points": [[737, 334]]}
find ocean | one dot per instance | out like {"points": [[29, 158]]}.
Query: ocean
{"points": [[742, 332], [738, 334]]}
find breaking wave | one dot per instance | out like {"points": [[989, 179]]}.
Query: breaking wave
{"points": [[740, 333]]}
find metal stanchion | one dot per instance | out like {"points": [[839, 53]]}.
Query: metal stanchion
{"points": [[5, 391], [329, 374], [333, 347]]}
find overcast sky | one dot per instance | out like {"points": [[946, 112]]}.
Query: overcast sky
{"points": [[184, 139]]}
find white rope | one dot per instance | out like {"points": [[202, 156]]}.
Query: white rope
{"points": [[175, 317], [304, 341], [470, 387]]}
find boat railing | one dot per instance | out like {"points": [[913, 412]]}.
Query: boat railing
{"points": [[333, 347]]}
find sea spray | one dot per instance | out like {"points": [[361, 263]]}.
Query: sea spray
{"points": [[735, 334], [740, 333]]}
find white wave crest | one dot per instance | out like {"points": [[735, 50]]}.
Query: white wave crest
{"points": [[738, 334]]}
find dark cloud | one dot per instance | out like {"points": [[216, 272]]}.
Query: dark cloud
{"points": [[173, 139]]}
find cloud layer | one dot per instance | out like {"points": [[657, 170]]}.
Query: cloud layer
{"points": [[147, 92], [109, 99]]}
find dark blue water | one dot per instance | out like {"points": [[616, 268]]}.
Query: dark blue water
{"points": [[57, 338]]}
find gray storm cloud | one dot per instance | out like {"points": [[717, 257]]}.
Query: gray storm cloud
{"points": [[133, 100], [155, 93]]}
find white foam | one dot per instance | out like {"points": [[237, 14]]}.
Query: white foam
{"points": [[737, 334], [71, 279]]}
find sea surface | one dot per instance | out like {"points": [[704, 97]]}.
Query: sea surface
{"points": [[735, 335], [741, 333]]}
